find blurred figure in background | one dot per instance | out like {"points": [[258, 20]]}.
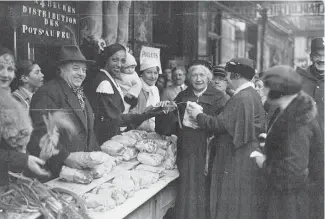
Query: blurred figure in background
{"points": [[30, 78], [259, 87], [161, 84], [178, 78], [219, 79], [168, 74]]}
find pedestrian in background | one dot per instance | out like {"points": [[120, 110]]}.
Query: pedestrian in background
{"points": [[30, 78]]}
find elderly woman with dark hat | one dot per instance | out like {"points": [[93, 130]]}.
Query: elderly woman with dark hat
{"points": [[236, 186], [192, 199], [294, 146], [106, 96], [65, 93], [15, 126]]}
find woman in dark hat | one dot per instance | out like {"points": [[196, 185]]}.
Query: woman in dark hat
{"points": [[294, 146], [219, 79], [237, 186], [16, 126], [106, 96]]}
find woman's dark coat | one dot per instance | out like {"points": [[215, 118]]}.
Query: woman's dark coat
{"points": [[108, 109], [192, 200], [237, 186], [294, 151]]}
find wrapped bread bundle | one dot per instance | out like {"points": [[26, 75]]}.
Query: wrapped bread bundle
{"points": [[102, 169], [147, 145], [113, 148], [169, 163], [150, 159], [99, 202], [161, 152], [95, 158], [126, 183], [119, 196], [106, 188], [154, 135], [129, 154], [135, 134], [160, 170], [125, 140], [144, 178], [77, 176]]}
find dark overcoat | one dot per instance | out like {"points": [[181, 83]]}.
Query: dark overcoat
{"points": [[57, 95], [192, 200], [295, 160], [237, 186]]}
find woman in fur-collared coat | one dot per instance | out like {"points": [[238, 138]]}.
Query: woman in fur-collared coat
{"points": [[294, 146], [15, 126]]}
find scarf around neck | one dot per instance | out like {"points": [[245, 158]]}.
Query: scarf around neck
{"points": [[153, 92]]}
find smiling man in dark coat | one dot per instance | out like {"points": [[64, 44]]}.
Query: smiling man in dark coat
{"points": [[237, 187], [65, 93]]}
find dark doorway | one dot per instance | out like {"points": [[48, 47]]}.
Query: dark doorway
{"points": [[46, 56]]}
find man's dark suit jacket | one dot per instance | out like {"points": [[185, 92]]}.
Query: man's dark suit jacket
{"points": [[57, 95]]}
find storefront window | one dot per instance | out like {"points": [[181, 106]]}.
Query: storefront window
{"points": [[233, 38]]}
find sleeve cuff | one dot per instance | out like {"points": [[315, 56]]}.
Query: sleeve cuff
{"points": [[56, 162]]}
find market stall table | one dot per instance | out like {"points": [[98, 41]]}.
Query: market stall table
{"points": [[140, 197]]}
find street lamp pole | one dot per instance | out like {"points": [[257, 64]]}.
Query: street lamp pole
{"points": [[263, 23]]}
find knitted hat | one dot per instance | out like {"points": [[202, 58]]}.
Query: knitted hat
{"points": [[283, 79], [130, 60]]}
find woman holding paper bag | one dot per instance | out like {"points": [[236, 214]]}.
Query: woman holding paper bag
{"points": [[237, 187], [192, 194]]}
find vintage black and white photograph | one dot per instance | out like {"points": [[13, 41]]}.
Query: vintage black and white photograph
{"points": [[145, 109]]}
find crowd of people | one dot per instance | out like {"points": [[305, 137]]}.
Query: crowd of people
{"points": [[249, 145]]}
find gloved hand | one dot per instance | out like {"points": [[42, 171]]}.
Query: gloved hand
{"points": [[131, 100], [75, 160]]}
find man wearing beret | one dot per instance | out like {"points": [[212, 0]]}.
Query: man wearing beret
{"points": [[65, 93], [237, 187], [313, 76]]}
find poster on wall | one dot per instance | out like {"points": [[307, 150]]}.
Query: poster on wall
{"points": [[45, 22], [152, 55]]}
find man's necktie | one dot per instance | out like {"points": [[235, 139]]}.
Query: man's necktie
{"points": [[80, 95]]}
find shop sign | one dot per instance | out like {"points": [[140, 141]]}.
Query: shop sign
{"points": [[47, 22], [295, 9], [152, 55]]}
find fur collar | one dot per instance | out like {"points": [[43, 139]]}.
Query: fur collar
{"points": [[15, 123], [302, 109]]}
